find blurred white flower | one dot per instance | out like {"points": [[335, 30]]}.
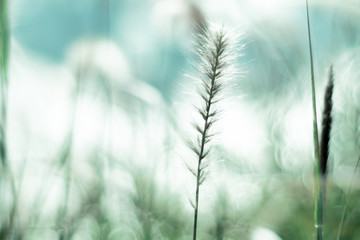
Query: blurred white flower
{"points": [[175, 19], [261, 233], [99, 56]]}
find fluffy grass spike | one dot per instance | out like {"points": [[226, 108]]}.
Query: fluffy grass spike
{"points": [[213, 53], [324, 153], [326, 125]]}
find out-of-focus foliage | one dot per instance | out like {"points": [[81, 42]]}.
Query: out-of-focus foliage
{"points": [[97, 107]]}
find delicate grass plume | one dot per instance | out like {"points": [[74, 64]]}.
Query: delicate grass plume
{"points": [[213, 49]]}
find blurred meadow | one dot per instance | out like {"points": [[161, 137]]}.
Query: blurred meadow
{"points": [[97, 104]]}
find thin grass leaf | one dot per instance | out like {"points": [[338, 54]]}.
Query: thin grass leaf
{"points": [[319, 212]]}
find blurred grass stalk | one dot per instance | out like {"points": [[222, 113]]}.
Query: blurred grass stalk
{"points": [[348, 194], [4, 57], [319, 208], [7, 227]]}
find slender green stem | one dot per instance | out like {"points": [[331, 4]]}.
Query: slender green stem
{"points": [[4, 55], [4, 61], [213, 58], [203, 141], [320, 206], [319, 185]]}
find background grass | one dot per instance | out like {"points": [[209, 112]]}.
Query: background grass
{"points": [[98, 106]]}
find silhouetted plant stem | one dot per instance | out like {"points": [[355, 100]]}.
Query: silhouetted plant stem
{"points": [[203, 139], [318, 214], [212, 52]]}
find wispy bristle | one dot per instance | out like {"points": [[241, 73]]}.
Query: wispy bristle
{"points": [[212, 50], [326, 124], [213, 53]]}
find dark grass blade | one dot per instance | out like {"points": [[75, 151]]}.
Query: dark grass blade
{"points": [[318, 213], [313, 93]]}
